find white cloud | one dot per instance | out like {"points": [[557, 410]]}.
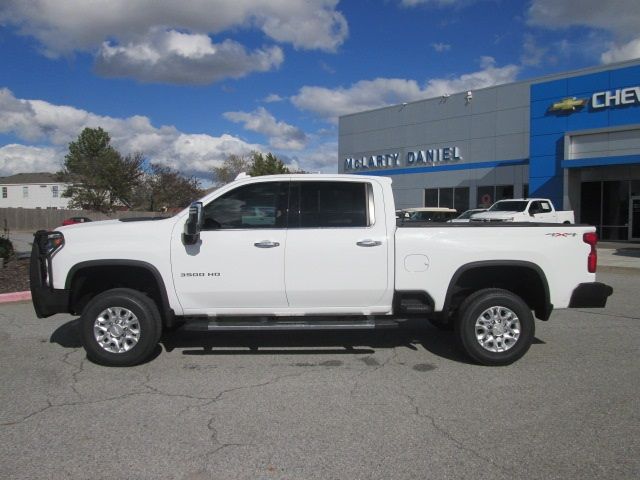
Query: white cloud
{"points": [[281, 135], [441, 47], [532, 54], [25, 159], [319, 158], [273, 97], [619, 18], [183, 58], [64, 26], [623, 52], [40, 121], [380, 92]]}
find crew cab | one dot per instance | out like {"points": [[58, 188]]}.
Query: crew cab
{"points": [[539, 210], [312, 252]]}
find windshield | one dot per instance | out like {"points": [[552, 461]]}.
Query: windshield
{"points": [[468, 214], [509, 206]]}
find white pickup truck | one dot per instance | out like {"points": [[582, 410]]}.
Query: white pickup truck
{"points": [[538, 210], [309, 251]]}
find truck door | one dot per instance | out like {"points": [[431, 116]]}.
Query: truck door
{"points": [[337, 245], [239, 261], [544, 212]]}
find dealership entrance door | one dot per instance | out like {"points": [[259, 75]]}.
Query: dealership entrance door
{"points": [[605, 204], [634, 218]]}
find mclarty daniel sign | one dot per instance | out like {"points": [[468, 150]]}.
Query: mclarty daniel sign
{"points": [[429, 157]]}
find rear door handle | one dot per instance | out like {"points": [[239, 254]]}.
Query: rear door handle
{"points": [[266, 244], [369, 243]]}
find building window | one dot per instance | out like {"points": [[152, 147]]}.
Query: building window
{"points": [[488, 195], [4, 192], [503, 192], [457, 198], [54, 191], [431, 197], [25, 192]]}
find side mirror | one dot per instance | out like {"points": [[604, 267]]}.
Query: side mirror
{"points": [[193, 224]]}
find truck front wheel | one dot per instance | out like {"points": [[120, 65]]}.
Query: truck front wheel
{"points": [[495, 326], [120, 327]]}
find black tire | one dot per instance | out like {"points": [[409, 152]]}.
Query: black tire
{"points": [[508, 349], [146, 322]]}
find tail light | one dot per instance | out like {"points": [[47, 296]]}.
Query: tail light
{"points": [[591, 238]]}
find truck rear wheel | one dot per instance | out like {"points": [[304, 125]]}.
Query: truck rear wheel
{"points": [[120, 327], [495, 326]]}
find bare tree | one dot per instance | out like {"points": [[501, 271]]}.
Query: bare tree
{"points": [[229, 170]]}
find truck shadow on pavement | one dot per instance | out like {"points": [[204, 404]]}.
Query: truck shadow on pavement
{"points": [[345, 342]]}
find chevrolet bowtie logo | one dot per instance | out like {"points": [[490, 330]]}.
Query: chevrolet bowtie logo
{"points": [[568, 104]]}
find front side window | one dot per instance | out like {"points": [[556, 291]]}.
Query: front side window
{"points": [[259, 205], [329, 205]]}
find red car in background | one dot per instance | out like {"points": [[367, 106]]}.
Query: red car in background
{"points": [[72, 220]]}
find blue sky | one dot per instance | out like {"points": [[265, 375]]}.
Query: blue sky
{"points": [[189, 83]]}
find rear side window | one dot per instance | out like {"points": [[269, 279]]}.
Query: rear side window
{"points": [[328, 205], [258, 205]]}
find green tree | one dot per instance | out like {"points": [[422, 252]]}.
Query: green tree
{"points": [[167, 188], [230, 168], [267, 164], [100, 176]]}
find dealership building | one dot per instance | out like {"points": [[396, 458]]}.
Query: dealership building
{"points": [[572, 137]]}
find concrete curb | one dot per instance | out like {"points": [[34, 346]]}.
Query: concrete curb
{"points": [[15, 297]]}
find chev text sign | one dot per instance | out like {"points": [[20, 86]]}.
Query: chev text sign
{"points": [[613, 98], [430, 157]]}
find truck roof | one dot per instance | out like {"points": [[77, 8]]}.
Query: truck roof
{"points": [[315, 176], [523, 199]]}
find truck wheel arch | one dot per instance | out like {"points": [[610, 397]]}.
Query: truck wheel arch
{"points": [[81, 281], [522, 278]]}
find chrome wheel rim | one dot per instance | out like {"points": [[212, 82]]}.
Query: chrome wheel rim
{"points": [[498, 329], [117, 329]]}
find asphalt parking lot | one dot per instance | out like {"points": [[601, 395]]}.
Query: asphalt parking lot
{"points": [[401, 404]]}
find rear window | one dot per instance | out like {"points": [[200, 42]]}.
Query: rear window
{"points": [[328, 205]]}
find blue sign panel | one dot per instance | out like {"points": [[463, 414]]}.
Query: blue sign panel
{"points": [[598, 100]]}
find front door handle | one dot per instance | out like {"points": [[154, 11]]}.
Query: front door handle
{"points": [[266, 244], [369, 243]]}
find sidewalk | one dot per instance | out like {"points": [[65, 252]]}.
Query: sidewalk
{"points": [[619, 254]]}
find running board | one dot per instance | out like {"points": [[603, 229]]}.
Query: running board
{"points": [[275, 325]]}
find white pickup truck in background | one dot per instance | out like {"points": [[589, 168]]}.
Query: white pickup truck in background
{"points": [[309, 252], [538, 210]]}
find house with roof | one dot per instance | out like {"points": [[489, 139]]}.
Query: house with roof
{"points": [[32, 190]]}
